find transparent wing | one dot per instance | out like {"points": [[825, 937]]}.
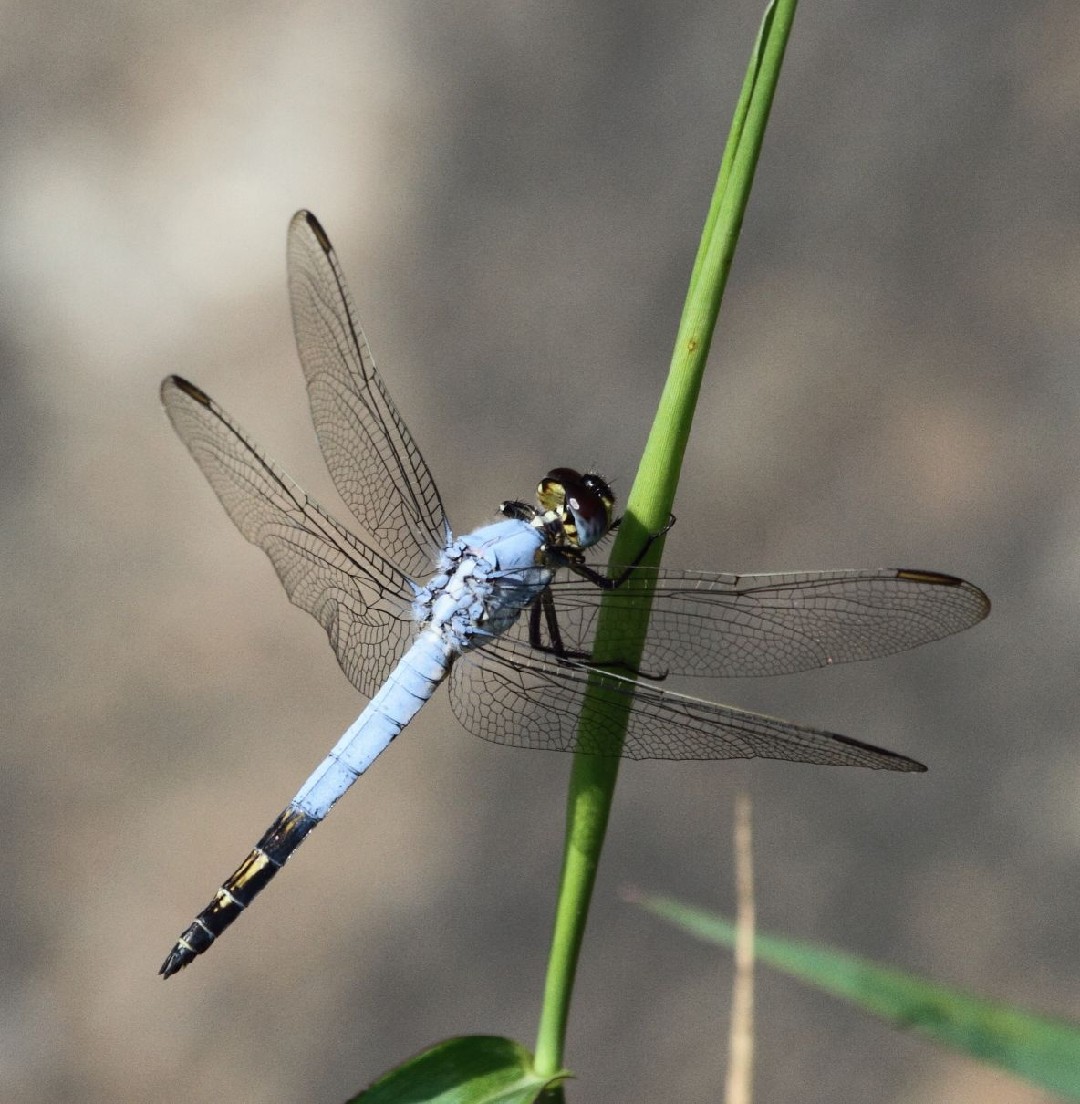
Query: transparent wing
{"points": [[719, 625], [503, 695], [374, 462], [360, 599]]}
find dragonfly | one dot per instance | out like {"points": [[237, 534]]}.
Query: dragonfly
{"points": [[507, 614]]}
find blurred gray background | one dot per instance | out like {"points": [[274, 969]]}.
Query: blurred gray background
{"points": [[516, 192]]}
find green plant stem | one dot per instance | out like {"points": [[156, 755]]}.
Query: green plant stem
{"points": [[593, 777]]}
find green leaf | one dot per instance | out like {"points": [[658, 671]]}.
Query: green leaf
{"points": [[1042, 1050], [471, 1069]]}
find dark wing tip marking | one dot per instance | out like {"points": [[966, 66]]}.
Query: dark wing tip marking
{"points": [[934, 578], [893, 761], [187, 387], [938, 578], [316, 228]]}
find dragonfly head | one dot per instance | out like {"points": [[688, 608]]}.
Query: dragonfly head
{"points": [[582, 505]]}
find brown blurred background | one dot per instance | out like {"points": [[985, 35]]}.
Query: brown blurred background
{"points": [[516, 192]]}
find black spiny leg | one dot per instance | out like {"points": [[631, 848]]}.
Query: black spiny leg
{"points": [[544, 603], [572, 559], [559, 650]]}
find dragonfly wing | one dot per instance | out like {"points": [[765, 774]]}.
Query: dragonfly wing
{"points": [[719, 625], [503, 696], [374, 462], [360, 599]]}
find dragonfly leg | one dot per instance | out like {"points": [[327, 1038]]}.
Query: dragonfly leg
{"points": [[545, 606], [571, 558], [559, 650]]}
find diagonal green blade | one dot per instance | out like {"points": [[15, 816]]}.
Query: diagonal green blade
{"points": [[648, 508], [1041, 1049]]}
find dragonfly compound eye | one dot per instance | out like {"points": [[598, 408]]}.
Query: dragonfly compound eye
{"points": [[585, 503]]}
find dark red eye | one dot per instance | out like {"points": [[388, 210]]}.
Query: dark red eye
{"points": [[587, 498], [558, 479]]}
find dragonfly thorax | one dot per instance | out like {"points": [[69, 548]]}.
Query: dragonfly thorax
{"points": [[485, 580]]}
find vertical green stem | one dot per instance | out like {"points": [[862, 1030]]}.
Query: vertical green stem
{"points": [[593, 777]]}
